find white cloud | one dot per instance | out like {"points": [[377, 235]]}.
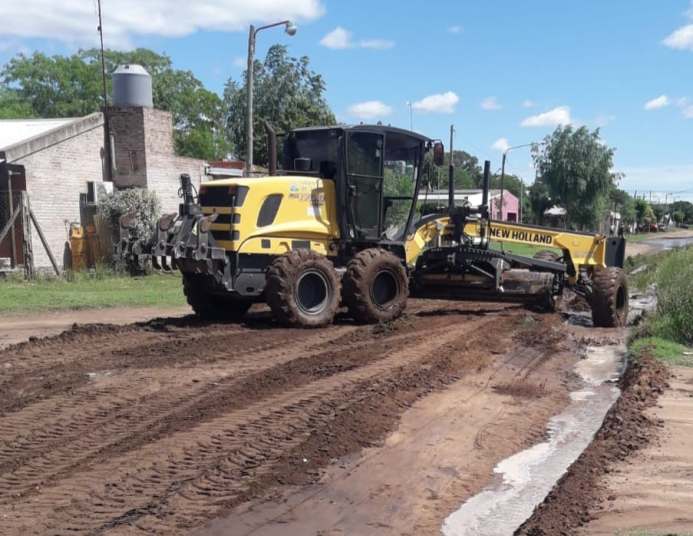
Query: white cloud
{"points": [[490, 103], [240, 61], [370, 109], [378, 44], [74, 21], [657, 103], [455, 29], [340, 38], [442, 103], [557, 116], [686, 107], [682, 38], [527, 103], [501, 144]]}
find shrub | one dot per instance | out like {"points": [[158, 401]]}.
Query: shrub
{"points": [[674, 280], [143, 203]]}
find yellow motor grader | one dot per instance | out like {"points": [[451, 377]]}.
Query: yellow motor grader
{"points": [[338, 221]]}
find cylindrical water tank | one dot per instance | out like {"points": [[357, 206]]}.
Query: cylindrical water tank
{"points": [[132, 86]]}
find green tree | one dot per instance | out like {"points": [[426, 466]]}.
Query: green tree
{"points": [[576, 167], [643, 210], [71, 86], [623, 203], [13, 106], [287, 93], [684, 206], [539, 201], [679, 216]]}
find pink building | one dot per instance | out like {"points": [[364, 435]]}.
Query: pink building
{"points": [[511, 204]]}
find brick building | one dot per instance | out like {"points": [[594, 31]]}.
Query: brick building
{"points": [[61, 162]]}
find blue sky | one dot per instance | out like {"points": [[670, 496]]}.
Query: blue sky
{"points": [[487, 67]]}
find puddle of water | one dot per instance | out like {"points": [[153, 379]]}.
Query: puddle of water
{"points": [[670, 243], [524, 479]]}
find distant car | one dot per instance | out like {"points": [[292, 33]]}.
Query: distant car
{"points": [[683, 226]]}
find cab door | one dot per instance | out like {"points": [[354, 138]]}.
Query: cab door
{"points": [[365, 159]]}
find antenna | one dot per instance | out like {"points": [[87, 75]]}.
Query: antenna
{"points": [[103, 62]]}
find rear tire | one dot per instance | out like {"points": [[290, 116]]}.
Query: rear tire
{"points": [[609, 300], [209, 306], [302, 289], [376, 286]]}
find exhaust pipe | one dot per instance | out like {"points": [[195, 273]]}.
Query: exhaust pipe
{"points": [[485, 187], [271, 147], [451, 176]]}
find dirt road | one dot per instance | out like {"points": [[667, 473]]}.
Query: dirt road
{"points": [[164, 426], [19, 327], [652, 490]]}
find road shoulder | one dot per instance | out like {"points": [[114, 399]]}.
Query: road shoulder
{"points": [[651, 491], [16, 328]]}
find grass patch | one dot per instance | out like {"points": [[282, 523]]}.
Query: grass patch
{"points": [[674, 280], [525, 250], [671, 352], [96, 290]]}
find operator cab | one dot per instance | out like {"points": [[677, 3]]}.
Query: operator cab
{"points": [[377, 170]]}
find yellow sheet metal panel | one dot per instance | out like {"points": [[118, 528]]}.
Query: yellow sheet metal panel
{"points": [[272, 245], [583, 249], [307, 212]]}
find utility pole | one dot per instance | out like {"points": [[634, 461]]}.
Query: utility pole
{"points": [[290, 29], [502, 179], [103, 62], [411, 116], [107, 163], [451, 174]]}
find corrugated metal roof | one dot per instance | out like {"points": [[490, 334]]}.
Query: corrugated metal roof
{"points": [[18, 130]]}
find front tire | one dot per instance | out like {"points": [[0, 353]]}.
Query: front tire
{"points": [[209, 306], [302, 289], [609, 299], [376, 286]]}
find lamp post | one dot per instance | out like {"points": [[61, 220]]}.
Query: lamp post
{"points": [[290, 29], [502, 180]]}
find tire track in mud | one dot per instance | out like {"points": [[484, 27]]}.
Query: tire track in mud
{"points": [[35, 453], [53, 421], [229, 449]]}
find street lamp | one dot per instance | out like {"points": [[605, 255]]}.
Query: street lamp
{"points": [[502, 180], [290, 29]]}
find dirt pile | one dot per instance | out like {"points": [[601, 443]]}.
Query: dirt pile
{"points": [[625, 430]]}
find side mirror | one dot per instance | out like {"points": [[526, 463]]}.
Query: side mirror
{"points": [[438, 153]]}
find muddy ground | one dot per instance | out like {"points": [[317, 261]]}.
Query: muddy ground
{"points": [[172, 425]]}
